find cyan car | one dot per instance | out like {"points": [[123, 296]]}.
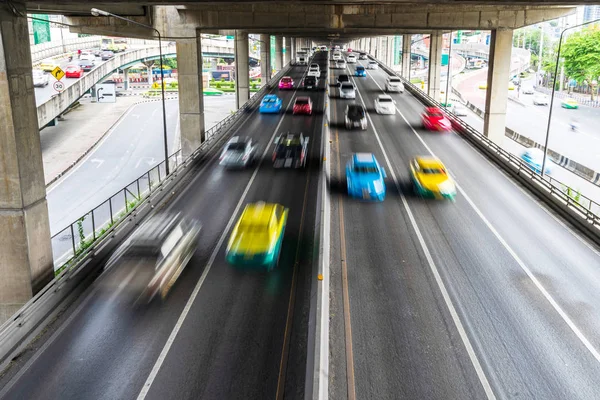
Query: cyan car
{"points": [[360, 71], [365, 177], [534, 158], [270, 104]]}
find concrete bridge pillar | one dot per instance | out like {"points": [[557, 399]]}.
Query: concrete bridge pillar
{"points": [[191, 96], [242, 71], [26, 263], [292, 50], [288, 51], [126, 79], [278, 52], [494, 119], [265, 58], [434, 75], [406, 42]]}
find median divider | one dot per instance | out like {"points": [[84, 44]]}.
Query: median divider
{"points": [[99, 233], [581, 211]]}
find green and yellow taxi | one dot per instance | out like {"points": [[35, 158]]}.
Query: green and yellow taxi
{"points": [[430, 178], [48, 65], [257, 236], [569, 103]]}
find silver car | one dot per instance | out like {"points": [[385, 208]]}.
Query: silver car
{"points": [[341, 63], [347, 90], [239, 152], [372, 65], [40, 79]]}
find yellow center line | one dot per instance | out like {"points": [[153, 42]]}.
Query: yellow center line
{"points": [[290, 313], [345, 293]]}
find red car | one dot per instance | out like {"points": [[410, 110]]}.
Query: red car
{"points": [[286, 83], [73, 71], [349, 50], [435, 120], [303, 105]]}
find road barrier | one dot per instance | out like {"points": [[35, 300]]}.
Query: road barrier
{"points": [[582, 211], [109, 228]]}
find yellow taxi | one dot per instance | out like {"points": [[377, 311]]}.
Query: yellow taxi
{"points": [[569, 103], [511, 86], [257, 236], [430, 178], [48, 65], [482, 85]]}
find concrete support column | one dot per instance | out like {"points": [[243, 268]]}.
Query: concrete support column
{"points": [[406, 41], [288, 51], [265, 58], [126, 79], [292, 50], [26, 264], [278, 53], [242, 72], [191, 96], [494, 119], [434, 74]]}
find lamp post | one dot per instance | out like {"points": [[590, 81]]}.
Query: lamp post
{"points": [[101, 13], [554, 89], [449, 76]]}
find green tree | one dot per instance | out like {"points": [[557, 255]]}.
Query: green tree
{"points": [[581, 52]]}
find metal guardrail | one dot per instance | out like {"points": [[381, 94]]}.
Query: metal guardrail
{"points": [[550, 188]]}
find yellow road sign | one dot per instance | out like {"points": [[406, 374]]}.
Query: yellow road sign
{"points": [[58, 73]]}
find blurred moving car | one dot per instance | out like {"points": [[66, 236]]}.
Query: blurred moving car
{"points": [[372, 65], [257, 236], [540, 100], [311, 83], [40, 79], [434, 120], [347, 90], [290, 151], [482, 85], [365, 177], [286, 83], [534, 158], [362, 56], [384, 104], [351, 58], [302, 105], [336, 55], [360, 71], [349, 50], [239, 152], [511, 86], [314, 70], [161, 248], [569, 103], [430, 178], [270, 104], [394, 84], [528, 90], [355, 117], [73, 71], [458, 110], [87, 56], [342, 78], [48, 65], [86, 65], [106, 55]]}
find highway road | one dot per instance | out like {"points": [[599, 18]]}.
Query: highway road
{"points": [[532, 121], [245, 333], [487, 297]]}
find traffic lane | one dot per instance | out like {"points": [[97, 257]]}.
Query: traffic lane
{"points": [[109, 348], [403, 339], [509, 310], [231, 344]]}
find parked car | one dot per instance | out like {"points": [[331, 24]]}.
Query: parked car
{"points": [[365, 177], [355, 117], [384, 104], [239, 152], [73, 71], [40, 78], [347, 90]]}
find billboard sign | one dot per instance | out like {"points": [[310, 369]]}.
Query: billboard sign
{"points": [[41, 29]]}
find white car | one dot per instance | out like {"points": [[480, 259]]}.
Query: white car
{"points": [[347, 91], [351, 59], [384, 104], [336, 56], [540, 100], [314, 72], [459, 110], [341, 63], [40, 79], [394, 84], [528, 90], [87, 57], [372, 65]]}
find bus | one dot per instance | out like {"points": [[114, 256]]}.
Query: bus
{"points": [[113, 44]]}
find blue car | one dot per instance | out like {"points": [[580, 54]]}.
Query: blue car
{"points": [[365, 177], [534, 158], [270, 104], [360, 71]]}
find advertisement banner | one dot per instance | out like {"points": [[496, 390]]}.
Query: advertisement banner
{"points": [[41, 29]]}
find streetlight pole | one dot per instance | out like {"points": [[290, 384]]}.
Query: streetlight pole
{"points": [[449, 68], [97, 13], [554, 89]]}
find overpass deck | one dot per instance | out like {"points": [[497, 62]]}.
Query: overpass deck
{"points": [[431, 299]]}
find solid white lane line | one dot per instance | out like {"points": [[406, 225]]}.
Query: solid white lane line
{"points": [[165, 351], [434, 269], [520, 262]]}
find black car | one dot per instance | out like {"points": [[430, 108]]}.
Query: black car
{"points": [[342, 78], [362, 56], [86, 65], [290, 151], [107, 55], [355, 117], [311, 83]]}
